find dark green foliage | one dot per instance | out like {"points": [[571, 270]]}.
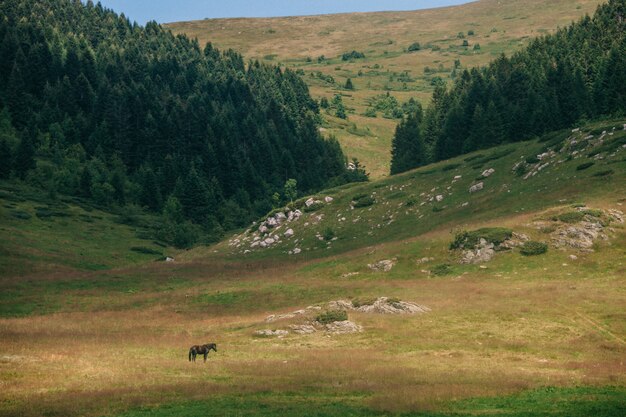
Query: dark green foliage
{"points": [[332, 316], [352, 55], [329, 234], [604, 173], [313, 207], [363, 200], [575, 74], [468, 240], [450, 167], [609, 147], [441, 269], [24, 156], [6, 159], [146, 251], [359, 302], [22, 215], [584, 166], [122, 114], [349, 85], [571, 217], [408, 150], [532, 248], [532, 159], [414, 47]]}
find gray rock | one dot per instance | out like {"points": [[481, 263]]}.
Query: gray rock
{"points": [[488, 172], [289, 233], [309, 202], [343, 327], [328, 199], [303, 328], [476, 187], [271, 333], [382, 266]]}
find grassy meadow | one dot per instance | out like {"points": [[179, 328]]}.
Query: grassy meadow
{"points": [[388, 67], [86, 333]]}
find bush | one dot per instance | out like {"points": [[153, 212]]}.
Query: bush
{"points": [[313, 207], [358, 302], [329, 234], [362, 200], [584, 166], [571, 217], [352, 55], [532, 248], [604, 173], [441, 269], [415, 47], [145, 251], [450, 167], [22, 215], [532, 159], [495, 235], [332, 316]]}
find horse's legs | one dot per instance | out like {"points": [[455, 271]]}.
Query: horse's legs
{"points": [[205, 355]]}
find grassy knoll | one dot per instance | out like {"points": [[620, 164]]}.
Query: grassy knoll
{"points": [[385, 38]]}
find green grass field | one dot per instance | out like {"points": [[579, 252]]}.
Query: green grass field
{"points": [[384, 38], [89, 326]]}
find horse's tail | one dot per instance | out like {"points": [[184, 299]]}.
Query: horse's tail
{"points": [[190, 354]]}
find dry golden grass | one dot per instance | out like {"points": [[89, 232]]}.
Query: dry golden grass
{"points": [[497, 331], [499, 26]]}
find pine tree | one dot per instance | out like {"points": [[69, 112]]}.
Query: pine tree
{"points": [[407, 149], [5, 159], [25, 155]]}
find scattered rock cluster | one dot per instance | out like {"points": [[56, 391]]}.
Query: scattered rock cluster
{"points": [[383, 266], [594, 225], [574, 147], [380, 305], [484, 251]]}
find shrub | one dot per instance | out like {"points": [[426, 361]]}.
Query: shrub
{"points": [[328, 234], [313, 207], [604, 173], [332, 316], [437, 209], [352, 55], [571, 217], [593, 212], [145, 251], [584, 166], [450, 167], [441, 269], [532, 159], [415, 47], [22, 215], [358, 302], [532, 248], [495, 235], [411, 201], [363, 200]]}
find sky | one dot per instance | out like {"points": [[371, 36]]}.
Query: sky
{"points": [[164, 11]]}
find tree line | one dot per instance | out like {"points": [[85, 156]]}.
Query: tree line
{"points": [[558, 80], [92, 105]]}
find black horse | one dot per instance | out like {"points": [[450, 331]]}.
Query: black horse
{"points": [[201, 350]]}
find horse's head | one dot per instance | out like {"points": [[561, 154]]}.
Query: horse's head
{"points": [[212, 346]]}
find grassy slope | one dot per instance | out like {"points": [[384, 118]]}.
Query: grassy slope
{"points": [[499, 26], [115, 340]]}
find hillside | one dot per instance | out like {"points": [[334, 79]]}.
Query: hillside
{"points": [[384, 38], [515, 335], [94, 106], [487, 284]]}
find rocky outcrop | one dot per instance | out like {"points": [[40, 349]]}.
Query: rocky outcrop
{"points": [[381, 305], [483, 252], [271, 333], [385, 265], [343, 327], [477, 187]]}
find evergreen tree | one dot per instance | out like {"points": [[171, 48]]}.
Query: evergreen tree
{"points": [[407, 149], [25, 156]]}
